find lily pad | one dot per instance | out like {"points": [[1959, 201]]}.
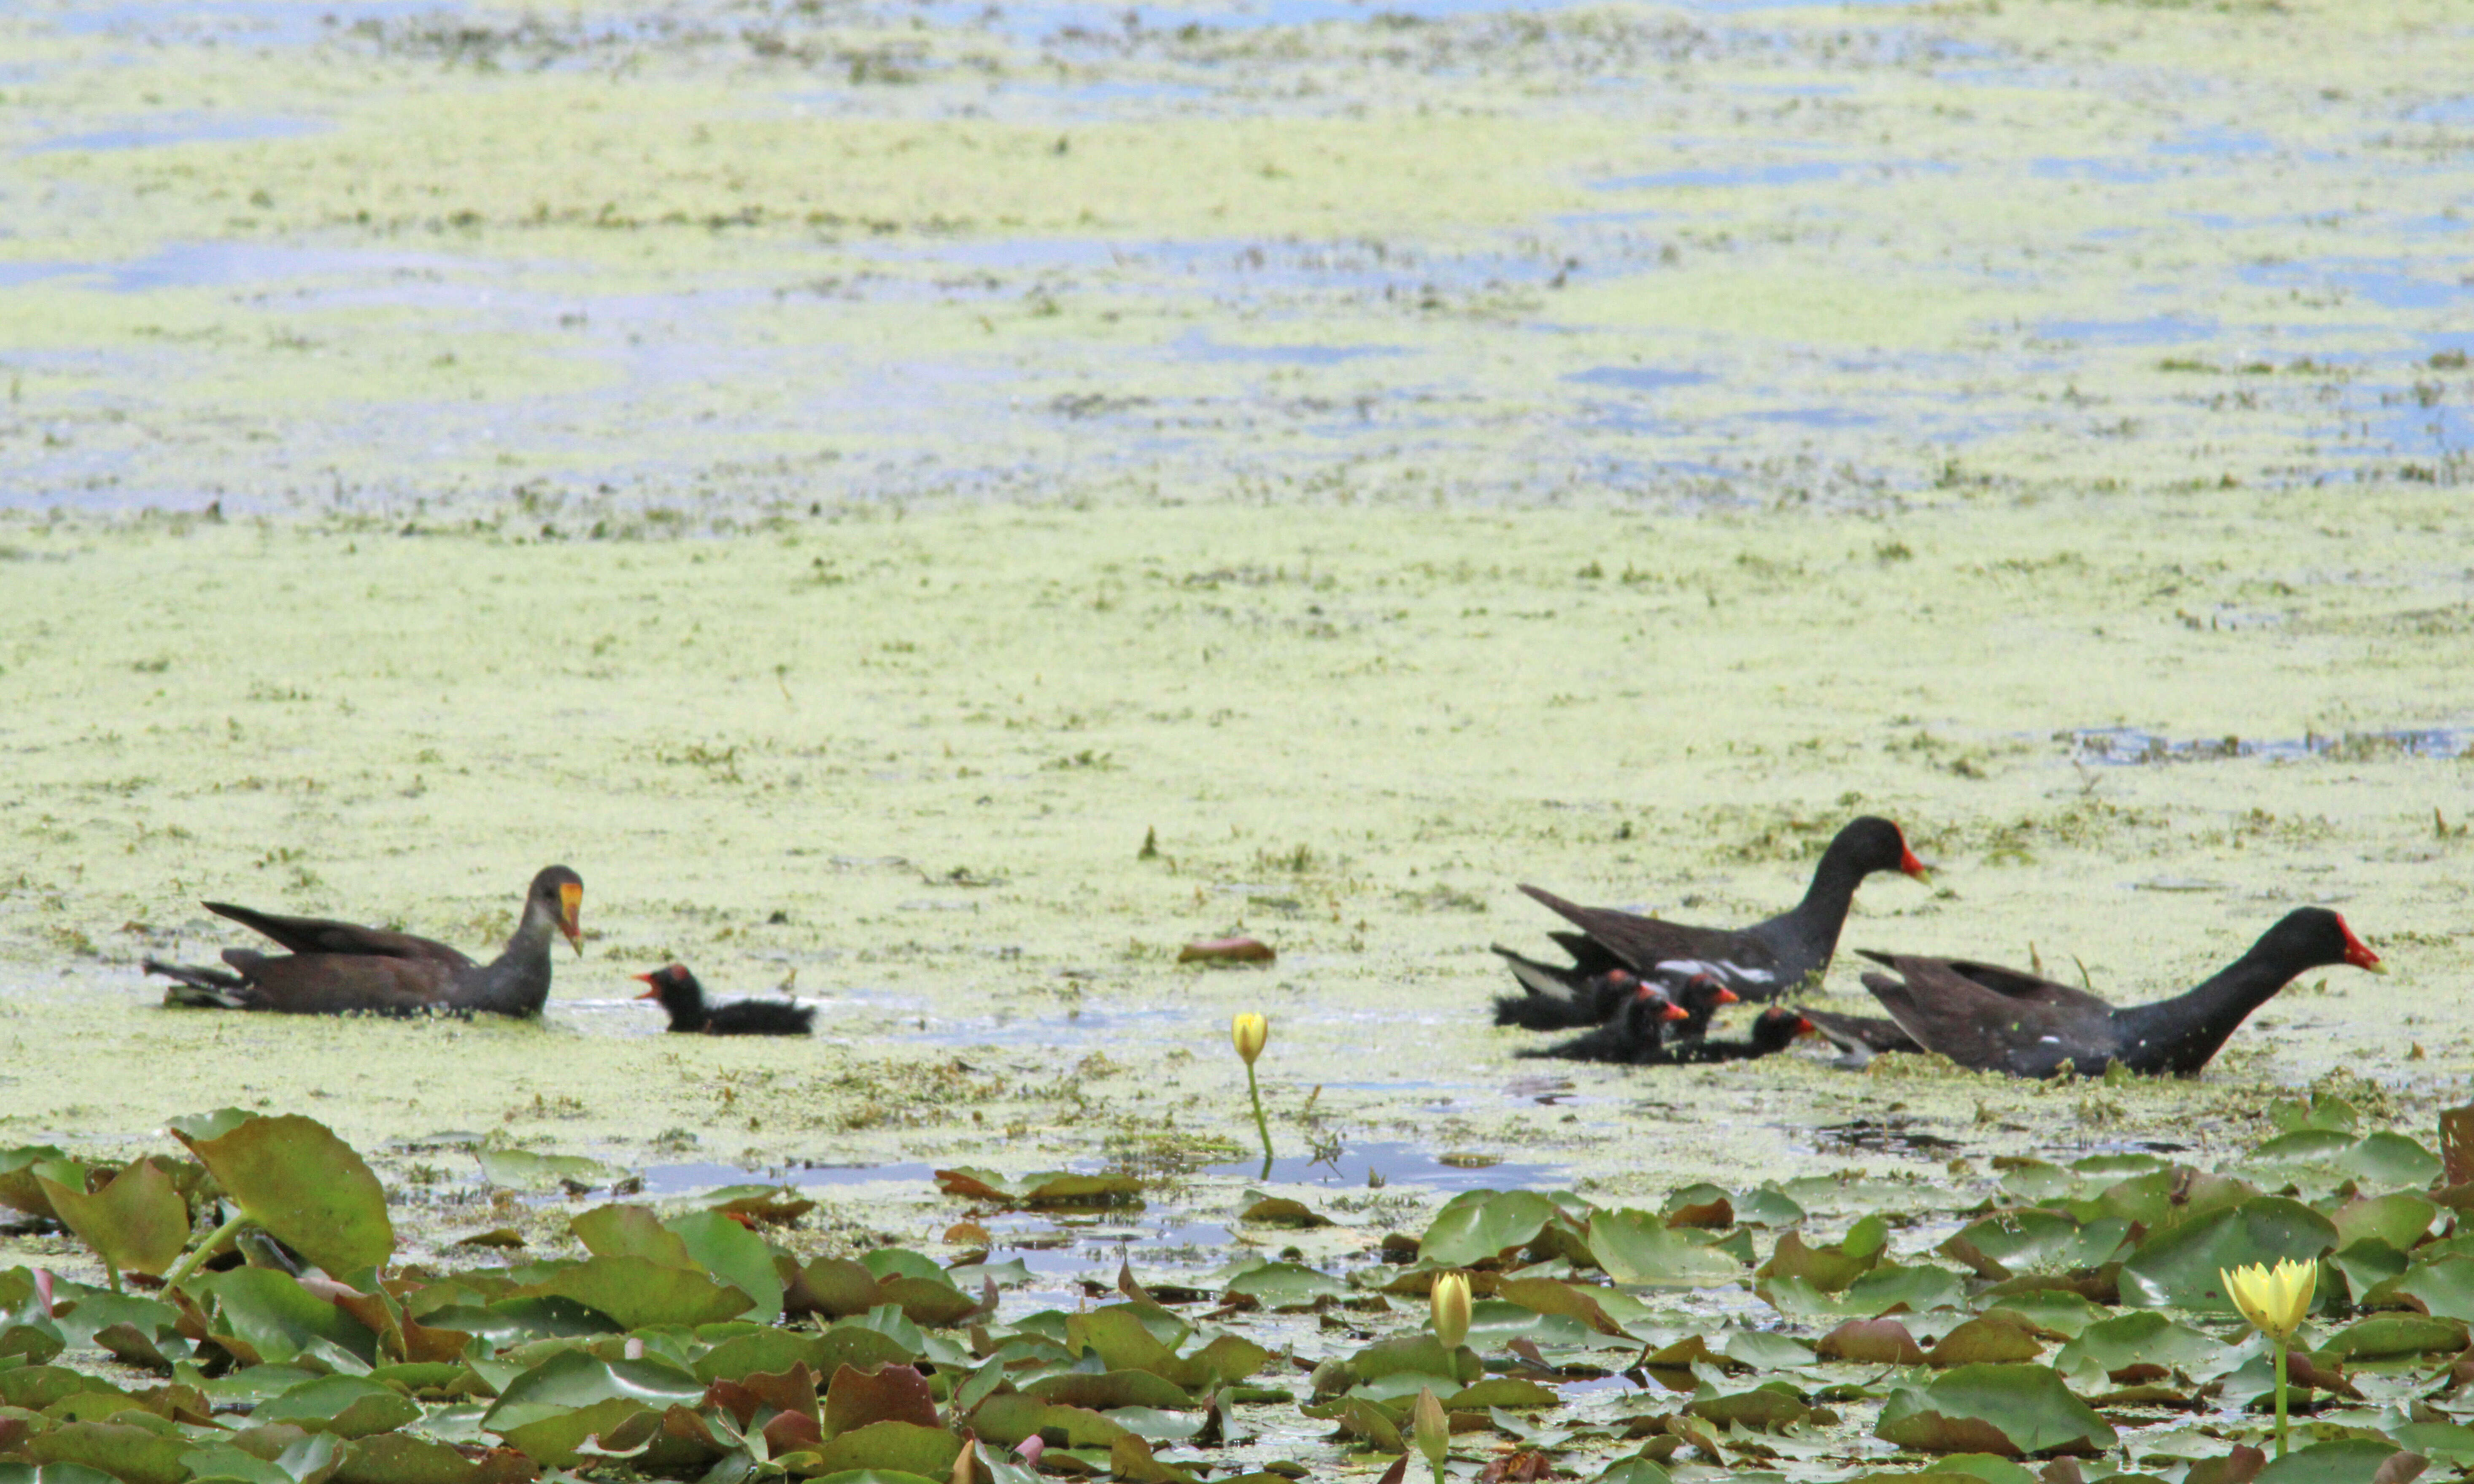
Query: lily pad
{"points": [[348, 1406], [292, 1176], [138, 1222], [522, 1169], [1042, 1189], [1636, 1247], [2179, 1266], [1286, 1287], [737, 1257], [1485, 1226], [635, 1291], [2009, 1410], [2344, 1461]]}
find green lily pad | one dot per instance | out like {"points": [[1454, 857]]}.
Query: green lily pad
{"points": [[348, 1407], [1983, 1341], [1042, 1189], [2398, 1334], [2008, 1410], [137, 1223], [1636, 1247], [127, 1451], [904, 1447], [2143, 1338], [2445, 1287], [273, 1318], [2391, 1158], [2344, 1461], [1485, 1226], [292, 1176], [1503, 1391], [634, 1292], [2306, 1147], [1831, 1267], [571, 1380], [626, 1230], [2399, 1219], [737, 1257], [400, 1458], [1286, 1287], [1106, 1390], [1875, 1342], [522, 1169], [19, 1186], [1010, 1417], [1767, 1205], [1770, 1406], [2179, 1266]]}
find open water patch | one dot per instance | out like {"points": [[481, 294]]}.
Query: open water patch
{"points": [[2131, 746], [180, 129]]}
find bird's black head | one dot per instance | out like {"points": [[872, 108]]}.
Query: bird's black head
{"points": [[1869, 843], [2315, 937], [676, 989], [1778, 1027]]}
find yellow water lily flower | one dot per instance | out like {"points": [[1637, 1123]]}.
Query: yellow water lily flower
{"points": [[1450, 1300], [2274, 1299], [1250, 1030]]}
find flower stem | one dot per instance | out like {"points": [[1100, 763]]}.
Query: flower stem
{"points": [[197, 1253], [2280, 1398], [1255, 1092]]}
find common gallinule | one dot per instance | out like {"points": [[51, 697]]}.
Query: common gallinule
{"points": [[1760, 962], [684, 998], [335, 968], [1634, 1035], [1989, 1018], [1594, 998]]}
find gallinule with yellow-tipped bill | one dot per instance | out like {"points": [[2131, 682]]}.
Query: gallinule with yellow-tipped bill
{"points": [[1990, 1018], [684, 998], [1761, 962], [339, 968]]}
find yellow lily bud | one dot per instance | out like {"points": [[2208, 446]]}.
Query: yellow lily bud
{"points": [[2274, 1299], [1430, 1427], [1451, 1299], [1250, 1030]]}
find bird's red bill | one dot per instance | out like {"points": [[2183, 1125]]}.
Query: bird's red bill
{"points": [[570, 900], [1727, 997], [1676, 1013], [1913, 867], [2356, 953]]}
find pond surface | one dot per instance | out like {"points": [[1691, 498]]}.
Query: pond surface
{"points": [[844, 476]]}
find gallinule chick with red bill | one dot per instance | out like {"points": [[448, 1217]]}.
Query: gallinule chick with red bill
{"points": [[1774, 1030], [684, 998], [340, 967], [1596, 998], [1760, 962], [1990, 1018], [1634, 1035]]}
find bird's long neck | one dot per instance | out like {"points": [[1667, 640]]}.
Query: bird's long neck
{"points": [[2182, 1033], [1807, 936], [516, 982]]}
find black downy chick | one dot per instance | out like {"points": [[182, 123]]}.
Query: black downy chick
{"points": [[684, 998]]}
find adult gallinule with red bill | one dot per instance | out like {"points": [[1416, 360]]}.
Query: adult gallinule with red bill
{"points": [[1760, 962], [684, 998], [1990, 1018], [337, 968]]}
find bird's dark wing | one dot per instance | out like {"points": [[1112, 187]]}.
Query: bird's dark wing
{"points": [[1985, 1030], [1742, 962], [337, 983], [1867, 1034], [321, 936]]}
